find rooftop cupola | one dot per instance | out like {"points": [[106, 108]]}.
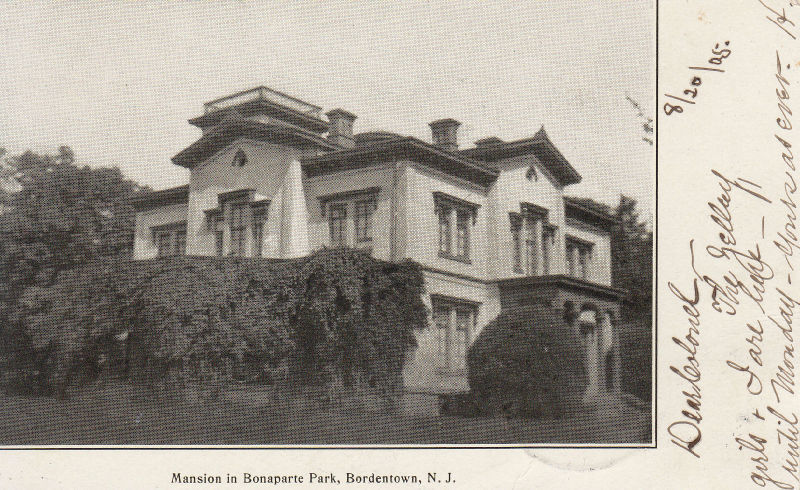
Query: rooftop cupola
{"points": [[265, 105], [445, 133], [340, 127]]}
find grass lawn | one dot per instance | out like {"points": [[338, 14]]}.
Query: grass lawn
{"points": [[122, 414]]}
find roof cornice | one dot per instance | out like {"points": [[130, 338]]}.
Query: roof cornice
{"points": [[576, 210], [402, 147], [233, 128], [539, 145], [166, 197], [566, 282]]}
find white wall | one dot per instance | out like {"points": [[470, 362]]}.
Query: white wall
{"points": [[421, 235], [265, 172], [351, 180], [143, 245], [511, 188], [420, 372]]}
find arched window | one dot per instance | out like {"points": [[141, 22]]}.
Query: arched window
{"points": [[240, 159]]}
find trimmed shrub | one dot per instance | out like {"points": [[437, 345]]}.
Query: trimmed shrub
{"points": [[338, 315], [527, 362]]}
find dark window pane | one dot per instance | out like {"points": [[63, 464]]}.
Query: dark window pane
{"points": [[337, 220], [238, 226], [516, 245], [445, 237], [530, 246], [462, 233], [363, 220], [258, 237], [164, 243], [180, 242]]}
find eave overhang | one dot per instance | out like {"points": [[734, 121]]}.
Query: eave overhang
{"points": [[538, 145], [238, 127], [565, 282], [577, 210], [157, 199], [393, 149]]}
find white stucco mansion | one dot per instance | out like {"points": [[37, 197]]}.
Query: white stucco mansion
{"points": [[490, 224]]}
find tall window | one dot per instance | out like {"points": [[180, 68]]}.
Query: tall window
{"points": [[454, 322], [532, 240], [445, 233], [579, 256], [456, 218], [516, 242], [465, 318], [164, 243], [363, 220], [180, 242], [337, 221], [259, 216], [350, 217], [548, 243], [219, 235], [441, 322], [531, 252], [463, 218], [238, 227], [170, 239]]}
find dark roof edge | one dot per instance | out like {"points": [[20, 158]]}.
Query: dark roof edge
{"points": [[507, 149], [164, 197], [388, 148], [245, 128], [575, 209], [565, 281]]}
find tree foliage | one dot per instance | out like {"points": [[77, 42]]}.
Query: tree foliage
{"points": [[337, 314], [54, 216], [632, 270], [632, 256], [529, 362]]}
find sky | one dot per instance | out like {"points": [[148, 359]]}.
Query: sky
{"points": [[117, 81]]}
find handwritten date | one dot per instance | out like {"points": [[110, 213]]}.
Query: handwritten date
{"points": [[690, 93]]}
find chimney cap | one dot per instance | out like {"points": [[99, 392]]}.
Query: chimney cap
{"points": [[340, 113], [444, 123]]}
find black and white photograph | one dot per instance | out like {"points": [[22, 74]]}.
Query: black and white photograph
{"points": [[327, 224]]}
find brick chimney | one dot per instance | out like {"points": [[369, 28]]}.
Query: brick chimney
{"points": [[445, 133], [340, 127]]}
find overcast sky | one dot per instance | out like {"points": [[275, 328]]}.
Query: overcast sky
{"points": [[118, 80]]}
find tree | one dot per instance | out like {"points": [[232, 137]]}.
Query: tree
{"points": [[632, 269], [55, 215], [632, 256]]}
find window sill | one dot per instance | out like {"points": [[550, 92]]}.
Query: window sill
{"points": [[451, 371], [464, 260]]}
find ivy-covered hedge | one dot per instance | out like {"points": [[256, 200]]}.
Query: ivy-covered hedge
{"points": [[336, 315], [527, 362]]}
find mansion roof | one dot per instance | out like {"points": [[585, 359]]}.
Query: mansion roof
{"points": [[234, 126], [151, 200], [265, 114], [590, 211], [263, 100], [389, 147], [493, 149]]}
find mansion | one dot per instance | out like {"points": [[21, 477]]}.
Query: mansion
{"points": [[271, 176]]}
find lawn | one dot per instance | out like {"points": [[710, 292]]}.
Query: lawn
{"points": [[119, 414]]}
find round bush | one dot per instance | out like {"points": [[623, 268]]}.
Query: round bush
{"points": [[527, 362]]}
